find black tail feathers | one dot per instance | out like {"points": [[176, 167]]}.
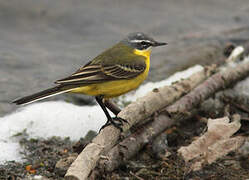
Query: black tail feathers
{"points": [[41, 95]]}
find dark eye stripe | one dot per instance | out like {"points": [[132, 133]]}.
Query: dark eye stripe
{"points": [[145, 43]]}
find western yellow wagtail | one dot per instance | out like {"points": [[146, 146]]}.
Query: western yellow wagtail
{"points": [[116, 71]]}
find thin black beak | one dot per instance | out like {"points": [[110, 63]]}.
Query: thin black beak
{"points": [[159, 44]]}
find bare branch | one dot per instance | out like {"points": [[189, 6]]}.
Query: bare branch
{"points": [[137, 111]]}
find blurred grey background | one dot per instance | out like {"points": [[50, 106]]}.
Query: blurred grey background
{"points": [[45, 40]]}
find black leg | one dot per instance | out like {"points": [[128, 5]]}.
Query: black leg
{"points": [[115, 110], [111, 106], [99, 100], [117, 122]]}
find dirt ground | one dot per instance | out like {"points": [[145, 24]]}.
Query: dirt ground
{"points": [[42, 155]]}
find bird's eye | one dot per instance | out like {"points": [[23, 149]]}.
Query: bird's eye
{"points": [[145, 43]]}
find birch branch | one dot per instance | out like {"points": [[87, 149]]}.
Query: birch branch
{"points": [[135, 112]]}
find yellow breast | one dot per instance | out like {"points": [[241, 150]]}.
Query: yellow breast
{"points": [[145, 53], [116, 88]]}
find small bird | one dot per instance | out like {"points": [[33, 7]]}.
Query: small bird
{"points": [[114, 72]]}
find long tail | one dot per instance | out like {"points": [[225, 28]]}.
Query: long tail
{"points": [[42, 95]]}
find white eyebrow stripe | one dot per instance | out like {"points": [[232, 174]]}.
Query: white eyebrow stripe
{"points": [[139, 40]]}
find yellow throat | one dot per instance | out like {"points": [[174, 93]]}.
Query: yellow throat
{"points": [[145, 53]]}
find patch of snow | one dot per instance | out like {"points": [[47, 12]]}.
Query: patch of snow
{"points": [[47, 119], [243, 86], [236, 53], [9, 150]]}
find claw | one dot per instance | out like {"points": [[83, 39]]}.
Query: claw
{"points": [[117, 125], [116, 121], [108, 123], [119, 119]]}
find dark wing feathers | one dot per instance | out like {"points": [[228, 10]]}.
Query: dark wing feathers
{"points": [[96, 73], [123, 71]]}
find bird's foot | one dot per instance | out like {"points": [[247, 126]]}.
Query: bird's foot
{"points": [[116, 122], [120, 120], [105, 125]]}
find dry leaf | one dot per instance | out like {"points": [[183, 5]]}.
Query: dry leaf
{"points": [[215, 143]]}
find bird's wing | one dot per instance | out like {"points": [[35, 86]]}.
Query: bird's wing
{"points": [[97, 73]]}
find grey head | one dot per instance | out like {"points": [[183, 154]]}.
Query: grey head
{"points": [[141, 41]]}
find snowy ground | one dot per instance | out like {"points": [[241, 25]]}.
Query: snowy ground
{"points": [[62, 119]]}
